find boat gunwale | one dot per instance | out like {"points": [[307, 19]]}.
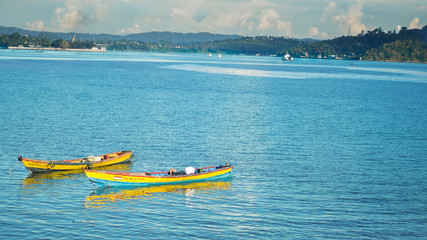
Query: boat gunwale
{"points": [[70, 161]]}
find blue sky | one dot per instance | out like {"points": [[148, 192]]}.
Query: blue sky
{"points": [[320, 19]]}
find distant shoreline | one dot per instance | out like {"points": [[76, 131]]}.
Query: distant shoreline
{"points": [[105, 50], [58, 49]]}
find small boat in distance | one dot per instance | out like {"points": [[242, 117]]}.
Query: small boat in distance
{"points": [[287, 57], [210, 55], [38, 166], [115, 179], [219, 55]]}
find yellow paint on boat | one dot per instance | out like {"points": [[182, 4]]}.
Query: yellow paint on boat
{"points": [[34, 165], [117, 178]]}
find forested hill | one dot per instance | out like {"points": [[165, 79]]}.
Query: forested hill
{"points": [[377, 45], [179, 38], [150, 37], [260, 45]]}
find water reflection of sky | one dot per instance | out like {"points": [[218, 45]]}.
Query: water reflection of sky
{"points": [[362, 73], [290, 70]]}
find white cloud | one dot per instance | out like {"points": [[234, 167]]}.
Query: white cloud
{"points": [[352, 21], [231, 21], [37, 25], [284, 28], [331, 6], [227, 20], [78, 14], [270, 19], [134, 29], [313, 32], [232, 17], [180, 13], [247, 20], [267, 19], [245, 17], [59, 10], [328, 10], [323, 35], [250, 25], [415, 24], [70, 17]]}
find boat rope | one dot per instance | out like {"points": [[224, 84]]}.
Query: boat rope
{"points": [[10, 170], [89, 166]]}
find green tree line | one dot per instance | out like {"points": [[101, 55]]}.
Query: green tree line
{"points": [[377, 45], [17, 39], [398, 51], [262, 45]]}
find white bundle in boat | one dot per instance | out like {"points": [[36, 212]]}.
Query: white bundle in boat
{"points": [[190, 170], [94, 159]]}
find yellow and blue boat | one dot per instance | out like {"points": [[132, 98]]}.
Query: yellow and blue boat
{"points": [[116, 179], [43, 166]]}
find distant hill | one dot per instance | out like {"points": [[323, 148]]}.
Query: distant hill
{"points": [[180, 38], [151, 37], [407, 45], [260, 45], [151, 42]]}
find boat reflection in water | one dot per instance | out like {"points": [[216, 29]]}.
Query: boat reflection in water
{"points": [[47, 178], [101, 197]]}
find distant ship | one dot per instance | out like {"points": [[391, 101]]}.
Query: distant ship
{"points": [[219, 55], [210, 55], [287, 57]]}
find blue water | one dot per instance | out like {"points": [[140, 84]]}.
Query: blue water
{"points": [[321, 148]]}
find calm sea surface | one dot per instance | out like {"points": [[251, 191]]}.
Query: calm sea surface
{"points": [[321, 148]]}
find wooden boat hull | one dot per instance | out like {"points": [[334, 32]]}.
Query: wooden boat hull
{"points": [[43, 166], [114, 179]]}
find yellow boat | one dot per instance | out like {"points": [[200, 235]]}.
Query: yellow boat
{"points": [[38, 166], [114, 179]]}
